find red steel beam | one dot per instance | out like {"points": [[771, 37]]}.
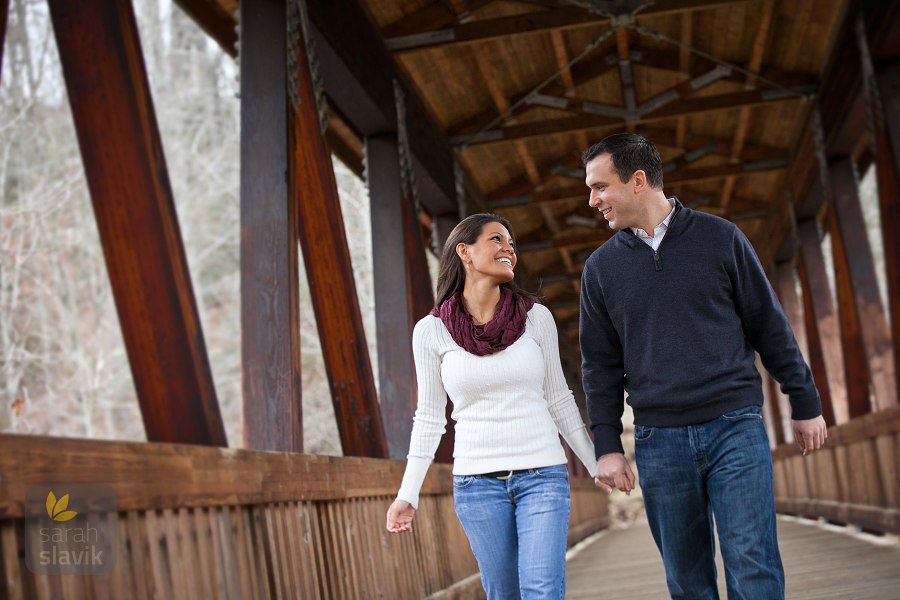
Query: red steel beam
{"points": [[132, 198]]}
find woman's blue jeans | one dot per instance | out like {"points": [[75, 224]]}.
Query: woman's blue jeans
{"points": [[517, 529], [720, 468]]}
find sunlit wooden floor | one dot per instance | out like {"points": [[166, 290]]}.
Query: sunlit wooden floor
{"points": [[819, 562]]}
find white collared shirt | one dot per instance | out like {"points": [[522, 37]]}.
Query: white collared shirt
{"points": [[658, 232]]}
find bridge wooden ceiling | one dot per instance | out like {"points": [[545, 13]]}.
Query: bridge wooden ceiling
{"points": [[519, 88]]}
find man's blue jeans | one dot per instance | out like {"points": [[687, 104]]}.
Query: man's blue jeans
{"points": [[720, 468], [517, 529]]}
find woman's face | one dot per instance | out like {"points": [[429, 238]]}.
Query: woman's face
{"points": [[492, 255]]}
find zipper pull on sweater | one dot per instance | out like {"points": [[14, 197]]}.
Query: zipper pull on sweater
{"points": [[656, 260]]}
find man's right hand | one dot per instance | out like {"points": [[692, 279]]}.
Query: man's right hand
{"points": [[613, 472]]}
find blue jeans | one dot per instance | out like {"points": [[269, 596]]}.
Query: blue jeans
{"points": [[517, 529], [720, 468]]}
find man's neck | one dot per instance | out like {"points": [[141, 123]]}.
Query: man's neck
{"points": [[658, 208]]}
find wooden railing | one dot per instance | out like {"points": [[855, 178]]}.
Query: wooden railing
{"points": [[853, 480], [199, 522]]}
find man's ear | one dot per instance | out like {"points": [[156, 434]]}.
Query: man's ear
{"points": [[640, 180]]}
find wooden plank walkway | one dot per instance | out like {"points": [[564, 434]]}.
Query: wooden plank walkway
{"points": [[819, 562]]}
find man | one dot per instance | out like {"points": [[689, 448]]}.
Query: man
{"points": [[672, 308]]}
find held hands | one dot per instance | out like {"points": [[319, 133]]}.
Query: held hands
{"points": [[400, 516], [613, 472], [810, 434]]}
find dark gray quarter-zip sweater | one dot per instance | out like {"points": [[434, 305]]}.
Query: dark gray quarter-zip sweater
{"points": [[677, 329]]}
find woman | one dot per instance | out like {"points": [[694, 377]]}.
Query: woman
{"points": [[495, 353]]}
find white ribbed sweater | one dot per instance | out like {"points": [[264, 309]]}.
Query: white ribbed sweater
{"points": [[509, 407]]}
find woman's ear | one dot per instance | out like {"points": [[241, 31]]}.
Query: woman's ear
{"points": [[462, 251]]}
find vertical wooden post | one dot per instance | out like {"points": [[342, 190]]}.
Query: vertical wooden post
{"points": [[870, 315], [887, 164], [126, 173], [786, 286], [270, 314], [421, 301], [775, 426], [856, 372], [779, 276], [781, 420], [822, 329], [327, 258], [393, 294], [881, 88], [442, 225]]}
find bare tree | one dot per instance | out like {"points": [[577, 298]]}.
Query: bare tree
{"points": [[64, 369]]}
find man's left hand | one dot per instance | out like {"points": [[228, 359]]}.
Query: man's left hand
{"points": [[810, 434]]}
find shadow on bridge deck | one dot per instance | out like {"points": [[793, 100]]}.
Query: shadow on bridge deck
{"points": [[820, 562]]}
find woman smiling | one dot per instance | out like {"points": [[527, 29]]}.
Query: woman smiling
{"points": [[495, 352]]}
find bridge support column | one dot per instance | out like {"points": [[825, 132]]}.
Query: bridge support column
{"points": [[862, 313], [822, 332], [134, 207], [270, 313]]}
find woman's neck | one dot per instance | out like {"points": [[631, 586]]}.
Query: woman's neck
{"points": [[481, 299]]}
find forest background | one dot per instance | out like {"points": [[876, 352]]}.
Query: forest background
{"points": [[63, 367]]}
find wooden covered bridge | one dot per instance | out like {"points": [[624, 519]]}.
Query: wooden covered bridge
{"points": [[767, 113]]}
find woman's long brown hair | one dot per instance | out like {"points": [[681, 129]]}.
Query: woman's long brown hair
{"points": [[451, 274]]}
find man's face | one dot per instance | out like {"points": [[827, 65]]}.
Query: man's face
{"points": [[615, 200]]}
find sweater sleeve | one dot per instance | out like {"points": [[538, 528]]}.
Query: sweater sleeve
{"points": [[602, 366], [769, 332], [560, 400], [430, 420]]}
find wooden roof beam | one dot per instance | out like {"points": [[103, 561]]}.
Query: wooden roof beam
{"points": [[568, 242], [683, 176], [591, 114], [569, 164], [428, 18], [589, 68], [489, 29], [756, 57], [605, 58]]}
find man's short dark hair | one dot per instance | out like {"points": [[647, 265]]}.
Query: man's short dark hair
{"points": [[629, 152]]}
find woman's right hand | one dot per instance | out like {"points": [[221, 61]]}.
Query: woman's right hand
{"points": [[400, 516]]}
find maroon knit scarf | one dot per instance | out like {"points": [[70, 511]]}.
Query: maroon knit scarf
{"points": [[507, 325]]}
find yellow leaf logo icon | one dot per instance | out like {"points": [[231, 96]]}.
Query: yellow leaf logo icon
{"points": [[57, 508]]}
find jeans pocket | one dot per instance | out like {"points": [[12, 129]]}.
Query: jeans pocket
{"points": [[461, 482], [642, 433], [747, 412]]}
